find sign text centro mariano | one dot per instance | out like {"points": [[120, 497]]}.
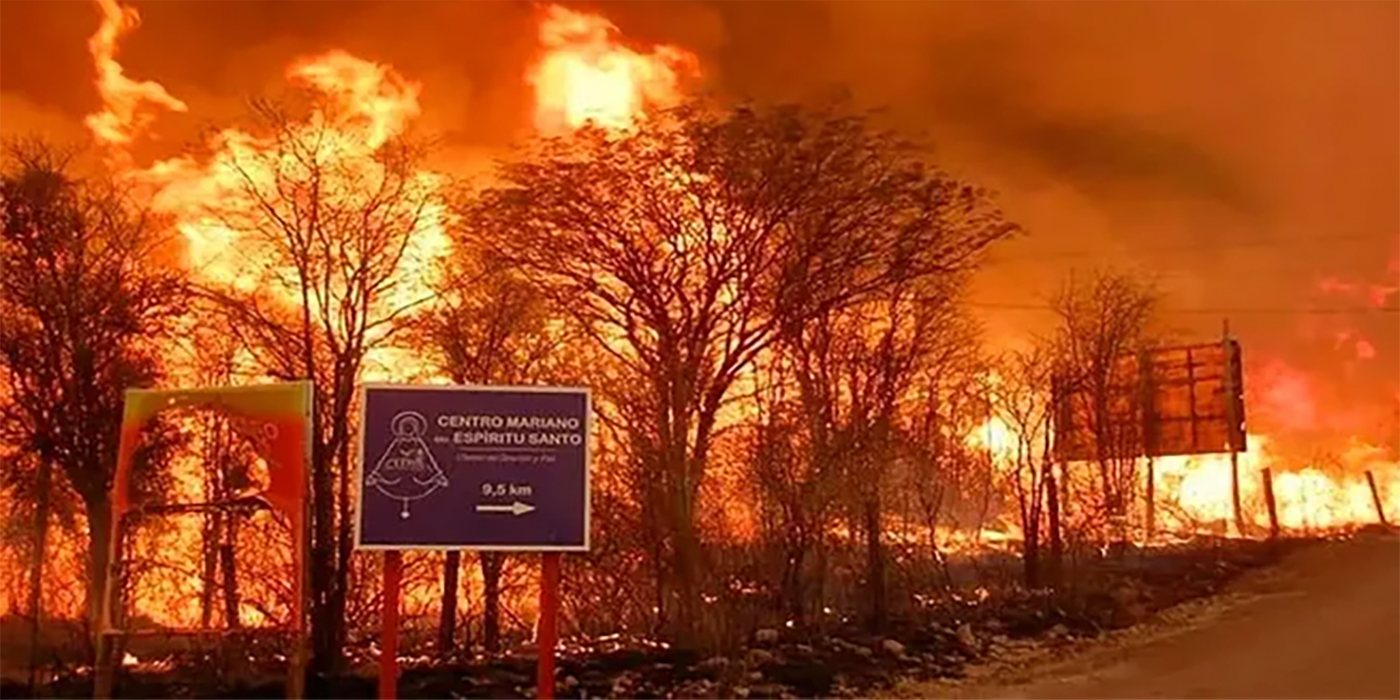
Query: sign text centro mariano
{"points": [[479, 467]]}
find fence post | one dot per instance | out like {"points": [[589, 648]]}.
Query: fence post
{"points": [[1376, 497], [1151, 501], [1052, 505], [1268, 478], [389, 626]]}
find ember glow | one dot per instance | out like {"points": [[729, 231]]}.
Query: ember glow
{"points": [[584, 74]]}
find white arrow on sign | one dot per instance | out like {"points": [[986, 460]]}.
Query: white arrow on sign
{"points": [[516, 508]]}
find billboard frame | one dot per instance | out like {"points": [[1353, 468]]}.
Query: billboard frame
{"points": [[1150, 395]]}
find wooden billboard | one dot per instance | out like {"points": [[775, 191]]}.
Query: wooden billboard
{"points": [[1183, 400]]}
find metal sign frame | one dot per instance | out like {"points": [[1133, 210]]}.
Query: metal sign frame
{"points": [[1180, 400]]}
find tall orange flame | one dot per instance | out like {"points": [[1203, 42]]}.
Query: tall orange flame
{"points": [[1194, 493], [122, 118], [364, 105], [586, 75], [583, 75], [357, 108], [375, 99]]}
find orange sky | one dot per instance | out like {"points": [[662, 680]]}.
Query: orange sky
{"points": [[1198, 140]]}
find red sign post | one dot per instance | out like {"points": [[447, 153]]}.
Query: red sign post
{"points": [[502, 469], [549, 630], [389, 627]]}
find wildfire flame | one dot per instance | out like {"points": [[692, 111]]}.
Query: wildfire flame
{"points": [[1194, 494], [121, 118], [583, 75], [586, 75]]}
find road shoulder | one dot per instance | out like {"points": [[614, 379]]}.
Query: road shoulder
{"points": [[1181, 651]]}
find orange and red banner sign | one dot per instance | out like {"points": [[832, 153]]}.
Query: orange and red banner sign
{"points": [[276, 418]]}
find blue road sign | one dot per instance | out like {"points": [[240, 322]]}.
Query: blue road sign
{"points": [[479, 467]]}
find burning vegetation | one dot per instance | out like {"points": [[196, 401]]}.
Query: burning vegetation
{"points": [[799, 424]]}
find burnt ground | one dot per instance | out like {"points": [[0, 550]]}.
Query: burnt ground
{"points": [[958, 636], [1324, 623]]}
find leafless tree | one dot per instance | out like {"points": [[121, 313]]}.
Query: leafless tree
{"points": [[939, 407], [794, 490], [854, 368], [488, 326], [324, 235], [84, 306], [1106, 320], [1022, 401], [685, 246], [226, 460]]}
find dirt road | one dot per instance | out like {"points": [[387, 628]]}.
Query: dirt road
{"points": [[1325, 623]]}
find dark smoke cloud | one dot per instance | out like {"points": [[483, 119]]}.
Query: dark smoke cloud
{"points": [[1109, 155]]}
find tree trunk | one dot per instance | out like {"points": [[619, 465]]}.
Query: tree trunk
{"points": [[99, 516], [345, 548], [1031, 555], [323, 618], [36, 569], [209, 566], [1052, 508], [792, 584], [447, 621], [491, 565], [686, 573], [229, 566], [874, 566], [663, 608], [819, 583]]}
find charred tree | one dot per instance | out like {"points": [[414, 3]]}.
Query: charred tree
{"points": [[43, 498], [684, 246], [78, 328], [211, 535], [1052, 512], [1022, 400], [488, 327], [492, 564], [1105, 322], [329, 226], [794, 491], [228, 570], [447, 615]]}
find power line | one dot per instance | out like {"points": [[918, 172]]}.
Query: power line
{"points": [[1217, 312], [993, 261]]}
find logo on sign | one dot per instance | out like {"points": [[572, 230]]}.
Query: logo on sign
{"points": [[406, 471]]}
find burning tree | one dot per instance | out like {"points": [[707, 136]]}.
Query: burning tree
{"points": [[1022, 406], [936, 470], [313, 252], [85, 305], [686, 245], [1105, 323], [854, 367]]}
